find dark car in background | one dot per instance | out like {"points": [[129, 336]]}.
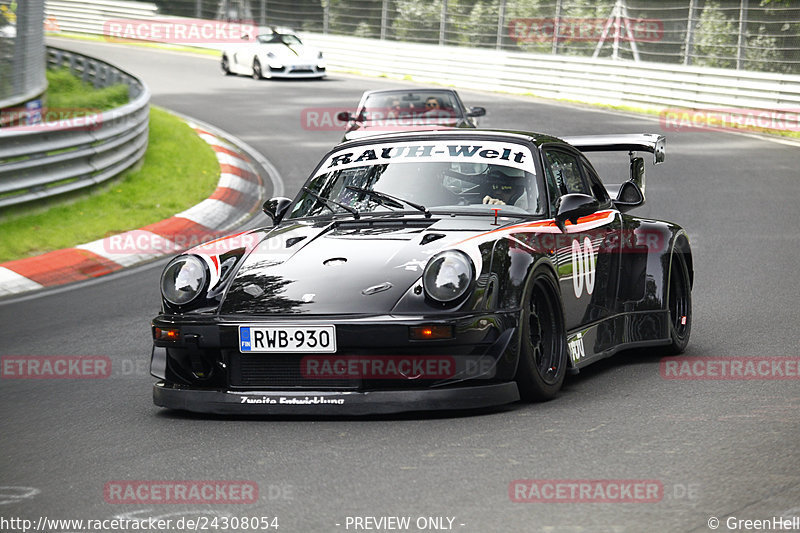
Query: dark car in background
{"points": [[397, 110]]}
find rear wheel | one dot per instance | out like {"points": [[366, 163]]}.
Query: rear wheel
{"points": [[679, 302], [543, 351], [257, 74]]}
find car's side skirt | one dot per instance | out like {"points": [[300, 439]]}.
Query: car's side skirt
{"points": [[619, 332]]}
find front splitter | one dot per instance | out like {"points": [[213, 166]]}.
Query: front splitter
{"points": [[332, 402]]}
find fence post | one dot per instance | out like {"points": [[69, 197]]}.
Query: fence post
{"points": [[443, 22], [501, 22], [742, 29], [384, 18], [689, 43], [556, 23]]}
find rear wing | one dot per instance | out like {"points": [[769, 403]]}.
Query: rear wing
{"points": [[646, 142]]}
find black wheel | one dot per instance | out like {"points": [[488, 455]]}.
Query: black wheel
{"points": [[679, 302], [543, 348], [226, 68], [257, 74]]}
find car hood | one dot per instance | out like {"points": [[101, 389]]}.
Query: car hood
{"points": [[344, 267], [292, 53]]}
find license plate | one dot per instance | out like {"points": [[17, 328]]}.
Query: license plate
{"points": [[283, 339]]}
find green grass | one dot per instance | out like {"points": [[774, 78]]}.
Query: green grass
{"points": [[66, 91], [179, 170]]}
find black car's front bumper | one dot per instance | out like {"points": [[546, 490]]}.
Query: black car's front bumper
{"points": [[332, 402], [233, 382]]}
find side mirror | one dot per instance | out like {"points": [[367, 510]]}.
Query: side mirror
{"points": [[637, 172], [276, 208], [628, 196], [344, 116], [476, 111], [574, 206]]}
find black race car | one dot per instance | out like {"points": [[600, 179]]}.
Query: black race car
{"points": [[430, 270]]}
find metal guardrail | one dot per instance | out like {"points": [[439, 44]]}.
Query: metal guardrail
{"points": [[653, 86], [50, 159]]}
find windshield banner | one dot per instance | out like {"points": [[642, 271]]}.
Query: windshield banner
{"points": [[451, 151]]}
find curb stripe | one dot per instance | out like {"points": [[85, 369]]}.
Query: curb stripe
{"points": [[131, 247], [179, 229], [232, 181], [63, 266], [12, 282], [227, 151], [209, 213], [238, 171]]}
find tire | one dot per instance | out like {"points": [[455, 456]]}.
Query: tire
{"points": [[679, 303], [543, 347], [226, 68], [257, 74]]}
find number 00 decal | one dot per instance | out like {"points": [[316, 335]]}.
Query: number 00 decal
{"points": [[583, 266]]}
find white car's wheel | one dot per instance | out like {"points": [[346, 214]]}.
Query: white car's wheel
{"points": [[257, 74], [226, 67]]}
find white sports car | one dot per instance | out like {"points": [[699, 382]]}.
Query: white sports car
{"points": [[273, 54]]}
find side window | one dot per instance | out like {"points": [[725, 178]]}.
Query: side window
{"points": [[598, 189], [566, 171], [554, 192]]}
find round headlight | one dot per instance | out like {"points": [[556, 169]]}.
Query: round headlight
{"points": [[447, 276], [183, 280]]}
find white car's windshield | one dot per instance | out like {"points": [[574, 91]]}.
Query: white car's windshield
{"points": [[453, 176], [279, 38]]}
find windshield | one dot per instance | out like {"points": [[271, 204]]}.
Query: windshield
{"points": [[276, 38], [421, 107], [415, 176]]}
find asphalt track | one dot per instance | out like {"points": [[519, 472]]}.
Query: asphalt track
{"points": [[719, 448]]}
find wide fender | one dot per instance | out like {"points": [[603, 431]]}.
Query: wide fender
{"points": [[513, 263], [647, 252]]}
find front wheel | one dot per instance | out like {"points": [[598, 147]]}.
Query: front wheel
{"points": [[226, 67], [257, 74], [543, 348]]}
